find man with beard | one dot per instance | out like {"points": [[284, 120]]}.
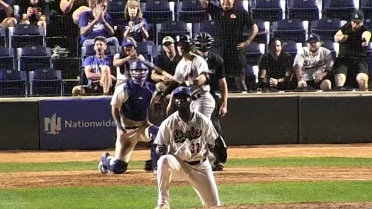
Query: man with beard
{"points": [[230, 21], [313, 65], [351, 64]]}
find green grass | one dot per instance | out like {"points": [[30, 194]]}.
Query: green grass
{"points": [[144, 197], [184, 197], [259, 162]]}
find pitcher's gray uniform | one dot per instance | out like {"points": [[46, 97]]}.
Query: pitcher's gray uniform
{"points": [[187, 157]]}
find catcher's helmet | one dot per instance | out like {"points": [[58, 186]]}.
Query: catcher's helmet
{"points": [[138, 72], [185, 41], [203, 41]]}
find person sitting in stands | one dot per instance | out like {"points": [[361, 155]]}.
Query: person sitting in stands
{"points": [[97, 69], [96, 22]]}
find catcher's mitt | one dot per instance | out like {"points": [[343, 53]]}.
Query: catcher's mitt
{"points": [[219, 150]]}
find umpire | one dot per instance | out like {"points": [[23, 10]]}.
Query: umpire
{"points": [[202, 45]]}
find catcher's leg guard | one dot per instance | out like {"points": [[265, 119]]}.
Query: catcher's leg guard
{"points": [[153, 131], [118, 166]]}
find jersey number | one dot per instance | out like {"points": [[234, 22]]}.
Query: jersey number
{"points": [[195, 148]]}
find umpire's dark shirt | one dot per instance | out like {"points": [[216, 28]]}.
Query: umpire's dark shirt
{"points": [[352, 47], [216, 71], [165, 63], [229, 24]]}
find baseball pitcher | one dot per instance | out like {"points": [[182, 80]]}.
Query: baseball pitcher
{"points": [[184, 141]]}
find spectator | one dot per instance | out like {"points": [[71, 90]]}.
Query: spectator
{"points": [[276, 68], [97, 69], [123, 60], [351, 63], [76, 6], [313, 65], [230, 20], [6, 14], [167, 60], [96, 23], [32, 14], [137, 25], [202, 45]]}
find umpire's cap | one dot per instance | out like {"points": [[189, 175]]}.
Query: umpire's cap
{"points": [[182, 91]]}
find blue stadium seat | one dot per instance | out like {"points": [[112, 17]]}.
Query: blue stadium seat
{"points": [[329, 44], [190, 11], [325, 28], [46, 82], [267, 10], [289, 29], [157, 11], [303, 9], [2, 37], [263, 32], [253, 53], [208, 26], [31, 58], [341, 9], [366, 7], [115, 9], [11, 83], [172, 28], [291, 47], [6, 58], [23, 35]]}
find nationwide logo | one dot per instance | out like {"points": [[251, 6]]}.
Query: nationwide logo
{"points": [[53, 125]]}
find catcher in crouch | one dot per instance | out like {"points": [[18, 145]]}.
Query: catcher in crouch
{"points": [[184, 141], [129, 108]]}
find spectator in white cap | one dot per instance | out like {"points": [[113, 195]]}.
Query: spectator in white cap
{"points": [[351, 66], [313, 65]]}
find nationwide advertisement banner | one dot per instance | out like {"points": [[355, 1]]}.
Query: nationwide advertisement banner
{"points": [[76, 123]]}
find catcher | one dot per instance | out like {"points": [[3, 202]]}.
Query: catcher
{"points": [[184, 140]]}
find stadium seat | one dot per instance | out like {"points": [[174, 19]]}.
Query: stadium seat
{"points": [[303, 9], [208, 26], [23, 35], [368, 23], [115, 9], [147, 49], [157, 11], [341, 9], [331, 46], [366, 7], [2, 37], [172, 28], [325, 28], [6, 58], [291, 47], [289, 29], [11, 83], [253, 53], [190, 11], [46, 82], [30, 58], [267, 10]]}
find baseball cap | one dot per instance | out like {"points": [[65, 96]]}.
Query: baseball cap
{"points": [[182, 91], [313, 37], [168, 39], [357, 16], [128, 43]]}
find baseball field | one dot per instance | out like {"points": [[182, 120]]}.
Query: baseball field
{"points": [[263, 177]]}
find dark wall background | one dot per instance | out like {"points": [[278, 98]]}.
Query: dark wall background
{"points": [[257, 120], [251, 120], [19, 125]]}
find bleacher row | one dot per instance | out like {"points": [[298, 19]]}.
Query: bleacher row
{"points": [[290, 20]]}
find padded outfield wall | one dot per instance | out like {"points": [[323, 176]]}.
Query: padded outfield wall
{"points": [[253, 119]]}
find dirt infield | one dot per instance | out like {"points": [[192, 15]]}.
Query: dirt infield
{"points": [[229, 175]]}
